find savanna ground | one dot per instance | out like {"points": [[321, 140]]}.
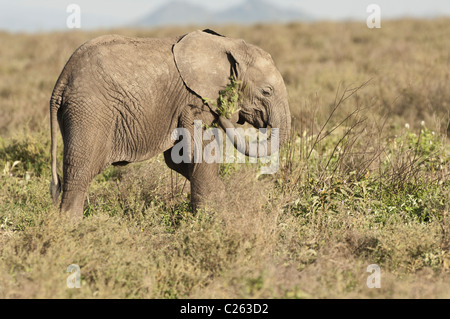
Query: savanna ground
{"points": [[364, 180]]}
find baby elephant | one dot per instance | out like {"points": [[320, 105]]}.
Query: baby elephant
{"points": [[119, 99]]}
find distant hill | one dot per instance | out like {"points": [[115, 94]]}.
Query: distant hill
{"points": [[249, 12]]}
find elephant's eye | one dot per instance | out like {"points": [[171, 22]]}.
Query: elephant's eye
{"points": [[267, 91]]}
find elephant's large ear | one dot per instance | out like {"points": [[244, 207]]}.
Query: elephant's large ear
{"points": [[206, 60]]}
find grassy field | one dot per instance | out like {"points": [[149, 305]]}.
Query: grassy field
{"points": [[364, 180]]}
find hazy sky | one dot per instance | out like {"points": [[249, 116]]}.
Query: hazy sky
{"points": [[40, 15]]}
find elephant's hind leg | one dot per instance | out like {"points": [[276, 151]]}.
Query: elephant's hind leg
{"points": [[72, 203], [79, 170]]}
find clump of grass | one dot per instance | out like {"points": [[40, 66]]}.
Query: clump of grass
{"points": [[25, 154], [228, 101]]}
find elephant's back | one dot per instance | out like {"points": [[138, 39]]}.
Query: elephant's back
{"points": [[119, 42], [116, 53], [117, 63]]}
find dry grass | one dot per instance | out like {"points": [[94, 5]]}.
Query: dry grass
{"points": [[355, 187]]}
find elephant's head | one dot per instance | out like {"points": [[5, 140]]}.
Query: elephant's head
{"points": [[206, 60]]}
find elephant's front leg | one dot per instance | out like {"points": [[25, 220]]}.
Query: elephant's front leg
{"points": [[206, 185], [204, 178]]}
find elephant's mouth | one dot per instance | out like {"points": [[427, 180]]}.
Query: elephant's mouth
{"points": [[277, 129], [241, 119], [254, 118]]}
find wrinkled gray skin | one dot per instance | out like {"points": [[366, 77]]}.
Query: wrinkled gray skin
{"points": [[118, 100]]}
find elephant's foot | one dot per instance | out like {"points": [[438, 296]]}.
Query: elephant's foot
{"points": [[207, 195], [72, 205]]}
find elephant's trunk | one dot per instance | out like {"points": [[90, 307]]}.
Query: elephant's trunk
{"points": [[280, 123]]}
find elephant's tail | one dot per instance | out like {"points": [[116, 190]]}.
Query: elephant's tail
{"points": [[55, 184]]}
